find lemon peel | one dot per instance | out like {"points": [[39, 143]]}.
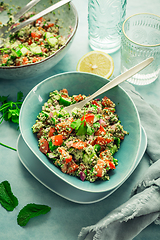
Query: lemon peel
{"points": [[96, 62]]}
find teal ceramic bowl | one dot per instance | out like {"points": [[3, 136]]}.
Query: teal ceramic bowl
{"points": [[85, 83], [68, 20]]}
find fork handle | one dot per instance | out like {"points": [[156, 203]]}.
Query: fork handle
{"points": [[25, 9], [121, 78], [38, 15]]}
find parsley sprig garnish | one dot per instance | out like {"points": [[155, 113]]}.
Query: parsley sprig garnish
{"points": [[81, 127], [10, 110]]}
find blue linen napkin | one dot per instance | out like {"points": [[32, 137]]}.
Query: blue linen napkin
{"points": [[143, 207]]}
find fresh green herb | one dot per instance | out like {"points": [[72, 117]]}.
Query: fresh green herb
{"points": [[7, 199], [113, 149], [76, 124], [96, 125], [117, 141], [29, 211], [8, 146], [97, 148], [51, 146], [90, 131], [10, 110], [81, 128]]}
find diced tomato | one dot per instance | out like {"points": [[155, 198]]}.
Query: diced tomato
{"points": [[30, 41], [100, 140], [51, 131], [99, 167], [104, 156], [5, 58], [68, 159], [108, 140], [79, 144], [111, 164], [106, 102], [101, 131], [35, 59], [43, 146], [64, 91], [57, 140], [40, 20], [94, 102], [36, 35], [25, 60], [61, 150], [64, 96], [72, 168], [65, 155], [78, 98], [44, 49], [39, 134], [50, 25], [89, 118]]}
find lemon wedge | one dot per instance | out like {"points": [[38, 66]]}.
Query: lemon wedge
{"points": [[96, 62]]}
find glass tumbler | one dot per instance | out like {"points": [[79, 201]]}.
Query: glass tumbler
{"points": [[141, 40], [105, 19]]}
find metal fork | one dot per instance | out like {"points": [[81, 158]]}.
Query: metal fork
{"points": [[5, 28], [121, 78], [35, 17]]}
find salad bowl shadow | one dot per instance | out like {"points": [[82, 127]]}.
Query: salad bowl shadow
{"points": [[84, 83], [68, 23]]}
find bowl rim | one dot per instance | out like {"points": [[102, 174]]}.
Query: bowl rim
{"points": [[55, 53], [47, 166]]}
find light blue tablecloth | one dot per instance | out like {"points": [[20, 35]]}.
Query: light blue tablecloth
{"points": [[66, 219]]}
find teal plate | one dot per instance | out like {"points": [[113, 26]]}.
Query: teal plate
{"points": [[85, 83], [57, 185]]}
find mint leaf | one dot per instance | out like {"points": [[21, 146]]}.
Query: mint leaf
{"points": [[76, 124], [90, 131], [79, 127], [3, 98], [7, 199], [29, 211], [82, 130], [10, 110], [19, 96]]}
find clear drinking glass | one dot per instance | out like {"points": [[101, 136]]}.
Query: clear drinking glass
{"points": [[105, 19], [140, 40]]}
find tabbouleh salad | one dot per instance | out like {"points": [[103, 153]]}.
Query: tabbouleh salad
{"points": [[32, 43], [82, 145]]}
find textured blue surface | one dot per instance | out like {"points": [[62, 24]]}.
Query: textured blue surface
{"points": [[65, 219]]}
